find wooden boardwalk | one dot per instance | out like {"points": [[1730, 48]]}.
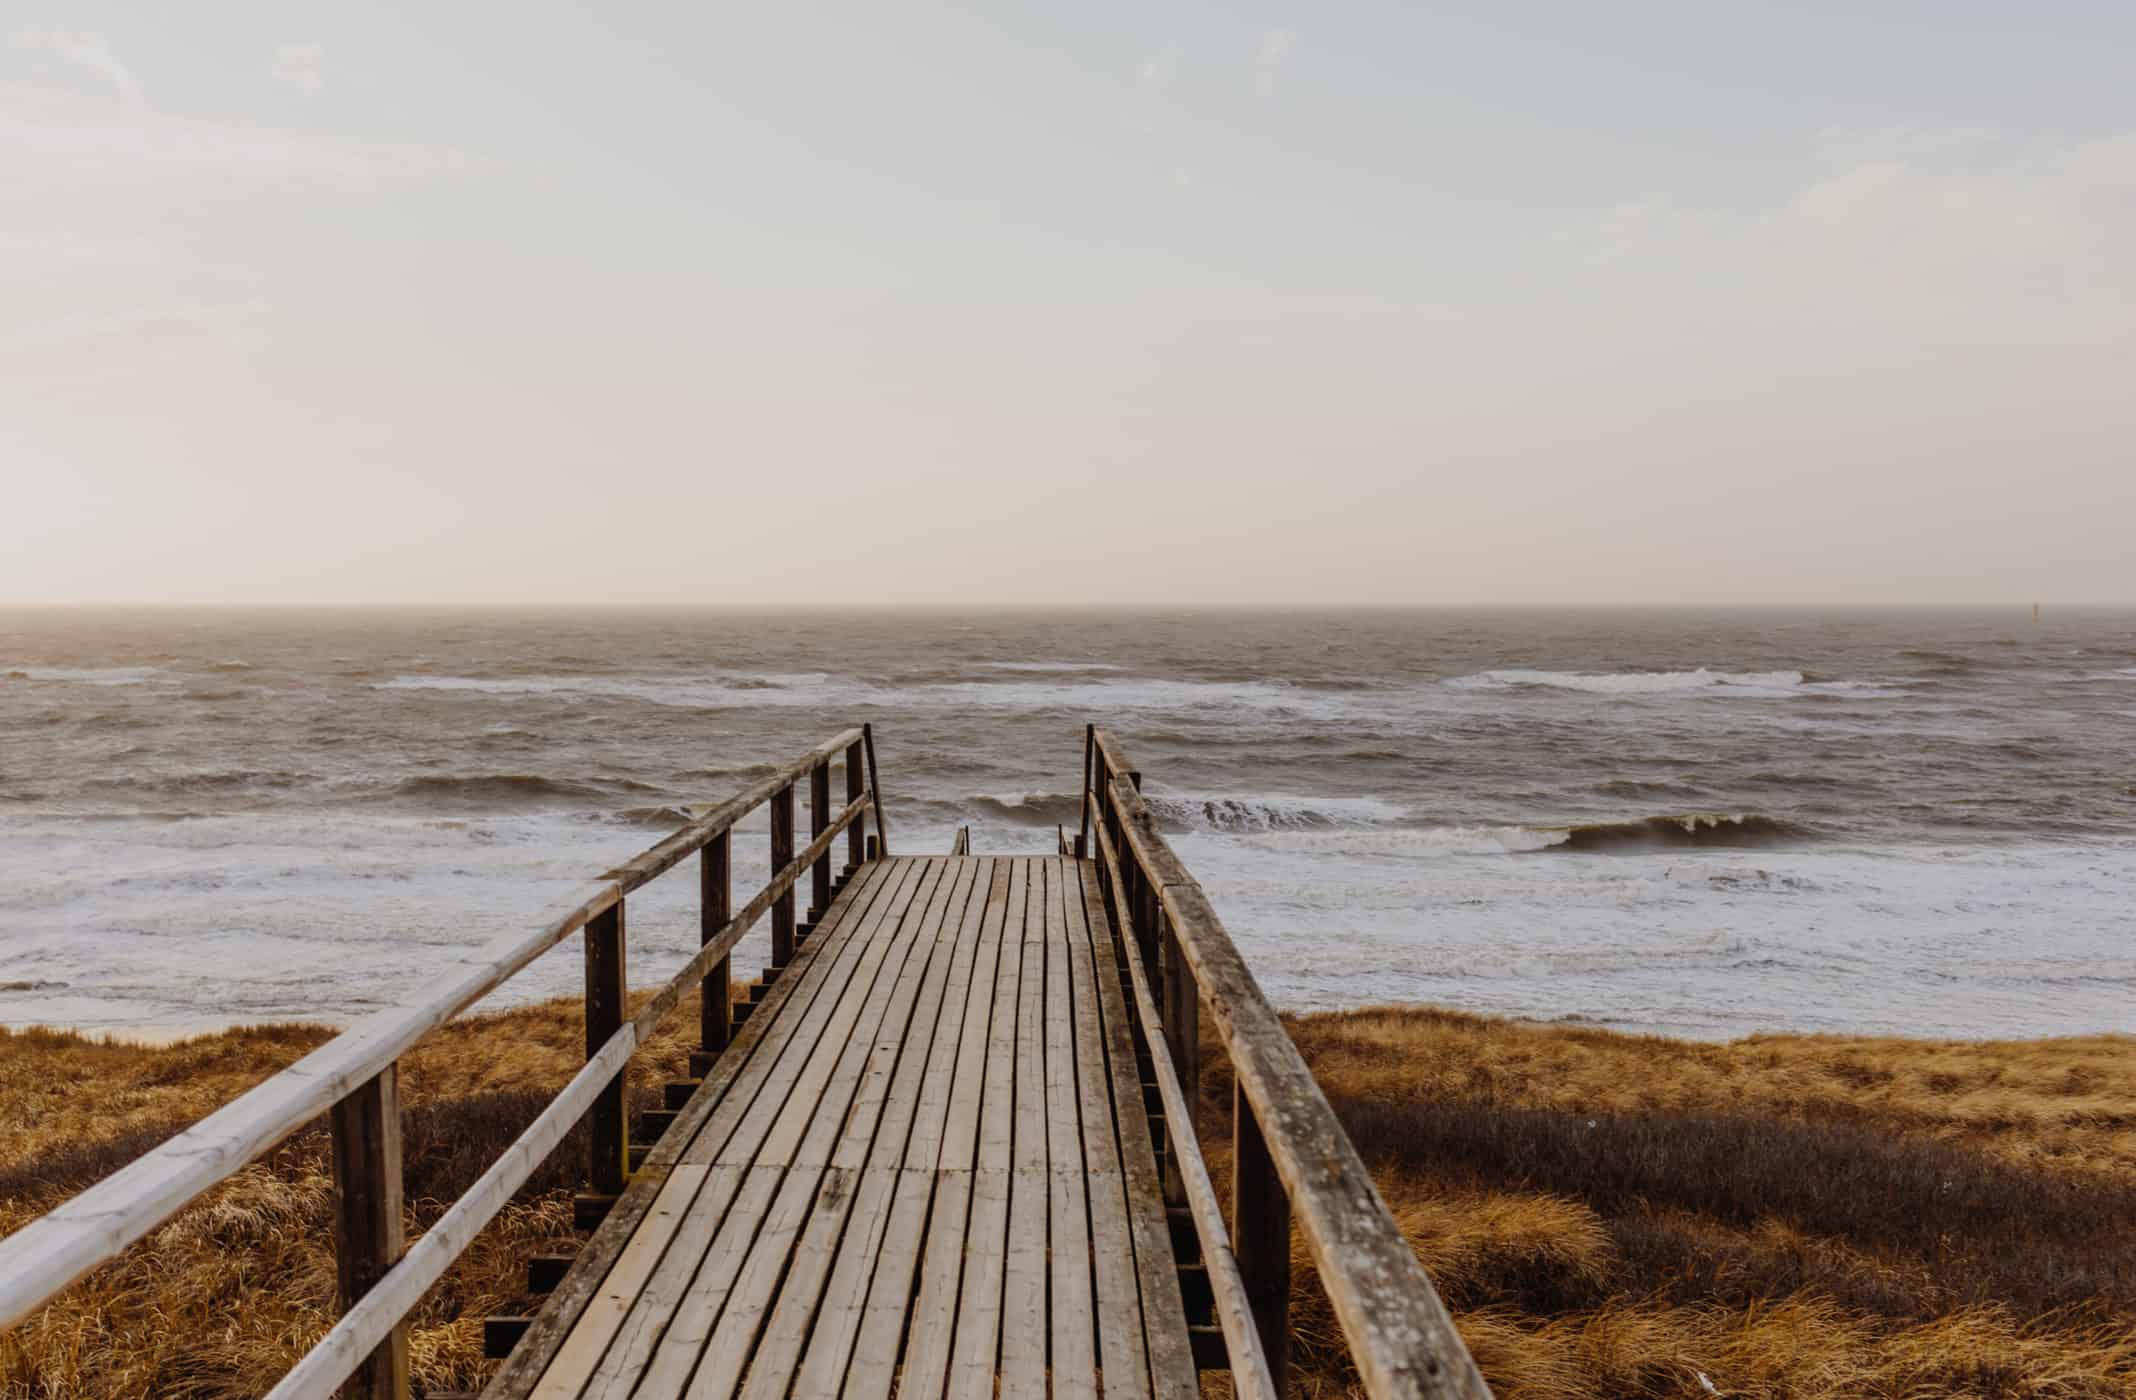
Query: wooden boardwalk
{"points": [[924, 1162], [947, 1148]]}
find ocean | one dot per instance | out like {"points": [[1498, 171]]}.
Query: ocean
{"points": [[1704, 824]]}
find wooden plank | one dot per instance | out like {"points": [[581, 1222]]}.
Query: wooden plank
{"points": [[935, 1315], [368, 1234], [1071, 1301], [733, 1085], [716, 1322], [862, 1317], [1123, 1351], [1023, 1309], [1400, 1335], [710, 1114], [1240, 1344], [863, 1170], [843, 1045], [975, 1351], [1164, 1314], [681, 1304], [793, 1258], [625, 1279]]}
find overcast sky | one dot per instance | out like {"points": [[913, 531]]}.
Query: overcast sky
{"points": [[1102, 302]]}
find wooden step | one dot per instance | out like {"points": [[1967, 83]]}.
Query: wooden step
{"points": [[545, 1271], [501, 1334]]}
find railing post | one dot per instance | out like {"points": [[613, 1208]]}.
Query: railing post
{"points": [[715, 905], [367, 1219], [609, 1147], [856, 784], [1082, 830], [782, 855], [819, 821], [875, 790], [1260, 1235]]}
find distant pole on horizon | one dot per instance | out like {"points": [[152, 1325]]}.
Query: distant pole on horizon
{"points": [[2035, 612]]}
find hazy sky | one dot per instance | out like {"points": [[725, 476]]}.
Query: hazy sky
{"points": [[1476, 302]]}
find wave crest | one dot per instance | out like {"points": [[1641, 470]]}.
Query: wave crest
{"points": [[1688, 829], [437, 791], [1180, 813]]}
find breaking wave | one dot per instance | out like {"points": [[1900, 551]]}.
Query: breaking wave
{"points": [[439, 792], [1180, 813], [1700, 829]]}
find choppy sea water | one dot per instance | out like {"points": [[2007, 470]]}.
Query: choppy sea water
{"points": [[1703, 824]]}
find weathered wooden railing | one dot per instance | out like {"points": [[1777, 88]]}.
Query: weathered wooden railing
{"points": [[353, 1079], [1290, 1157]]}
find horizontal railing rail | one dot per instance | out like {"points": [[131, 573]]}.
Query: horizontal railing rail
{"points": [[353, 1077], [1291, 1156]]}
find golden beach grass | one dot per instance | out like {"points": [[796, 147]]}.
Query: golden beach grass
{"points": [[1607, 1215]]}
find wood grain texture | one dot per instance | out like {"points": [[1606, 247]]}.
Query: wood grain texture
{"points": [[1398, 1329], [368, 1237], [53, 1251], [1251, 1373], [607, 1133]]}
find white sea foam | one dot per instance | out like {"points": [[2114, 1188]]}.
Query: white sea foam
{"points": [[97, 675], [1271, 812], [1421, 842], [1046, 666], [731, 690], [1761, 684]]}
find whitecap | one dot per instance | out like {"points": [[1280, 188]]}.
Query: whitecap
{"points": [[1758, 684]]}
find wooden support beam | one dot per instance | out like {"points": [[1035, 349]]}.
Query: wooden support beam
{"points": [[875, 789], [856, 765], [368, 1237], [715, 1018], [1260, 1236], [606, 993], [1082, 830], [782, 854], [819, 821]]}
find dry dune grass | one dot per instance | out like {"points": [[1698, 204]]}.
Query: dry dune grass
{"points": [[1607, 1215], [1783, 1216]]}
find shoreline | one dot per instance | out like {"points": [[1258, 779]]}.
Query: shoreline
{"points": [[164, 1034]]}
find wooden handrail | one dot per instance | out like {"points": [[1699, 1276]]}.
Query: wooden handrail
{"points": [[51, 1252], [1250, 1374], [335, 1357], [1400, 1334]]}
